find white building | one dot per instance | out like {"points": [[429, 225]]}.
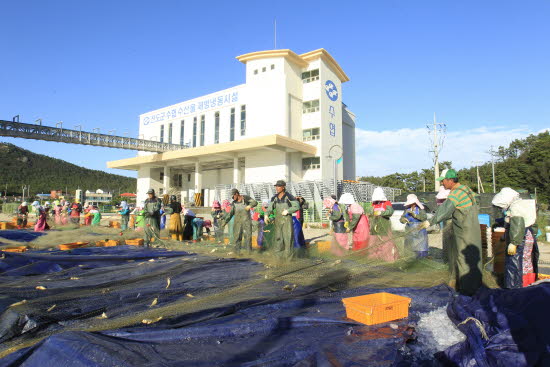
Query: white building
{"points": [[287, 122]]}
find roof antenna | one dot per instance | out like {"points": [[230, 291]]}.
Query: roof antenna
{"points": [[275, 33]]}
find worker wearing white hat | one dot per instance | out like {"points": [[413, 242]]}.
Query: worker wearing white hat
{"points": [[413, 216], [22, 214], [381, 245], [521, 264]]}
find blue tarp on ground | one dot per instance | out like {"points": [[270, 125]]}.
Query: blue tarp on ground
{"points": [[20, 235], [515, 322], [258, 325]]}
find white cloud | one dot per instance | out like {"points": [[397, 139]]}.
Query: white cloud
{"points": [[380, 153]]}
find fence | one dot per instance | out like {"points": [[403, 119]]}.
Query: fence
{"points": [[312, 191]]}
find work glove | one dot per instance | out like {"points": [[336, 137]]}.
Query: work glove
{"points": [[377, 213], [247, 208], [284, 212], [267, 220], [512, 249], [425, 224], [346, 225], [404, 220]]}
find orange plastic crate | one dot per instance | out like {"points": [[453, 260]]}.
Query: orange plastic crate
{"points": [[114, 224], [107, 243], [255, 242], [7, 225], [72, 245], [15, 249], [226, 241], [323, 246], [377, 308], [135, 242]]}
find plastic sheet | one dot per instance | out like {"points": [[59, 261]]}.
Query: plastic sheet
{"points": [[308, 331], [515, 322], [202, 311]]}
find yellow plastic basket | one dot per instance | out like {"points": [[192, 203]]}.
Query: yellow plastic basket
{"points": [[377, 308]]}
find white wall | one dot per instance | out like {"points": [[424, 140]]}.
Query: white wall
{"points": [[150, 122], [348, 129], [265, 167], [327, 140]]}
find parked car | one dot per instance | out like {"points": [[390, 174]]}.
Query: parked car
{"points": [[399, 209]]}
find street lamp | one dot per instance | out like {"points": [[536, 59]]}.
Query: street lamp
{"points": [[335, 153]]}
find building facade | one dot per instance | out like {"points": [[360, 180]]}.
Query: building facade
{"points": [[287, 121]]}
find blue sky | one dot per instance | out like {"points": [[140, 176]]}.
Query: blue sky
{"points": [[482, 66]]}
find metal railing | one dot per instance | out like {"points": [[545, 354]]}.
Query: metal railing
{"points": [[312, 191]]}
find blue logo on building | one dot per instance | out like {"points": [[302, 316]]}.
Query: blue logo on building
{"points": [[331, 90]]}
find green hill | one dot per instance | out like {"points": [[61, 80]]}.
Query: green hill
{"points": [[20, 167]]}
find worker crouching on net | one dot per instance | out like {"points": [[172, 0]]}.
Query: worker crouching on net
{"points": [[22, 215], [173, 209], [465, 254], [413, 216], [282, 205], [217, 215], [152, 217], [337, 215], [358, 222], [41, 214], [242, 227], [381, 245], [521, 264]]}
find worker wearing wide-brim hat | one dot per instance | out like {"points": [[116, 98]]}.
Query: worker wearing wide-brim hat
{"points": [[413, 216], [522, 252], [283, 205], [461, 205]]}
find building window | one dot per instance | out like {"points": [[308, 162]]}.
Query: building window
{"points": [[243, 120], [202, 130], [161, 191], [312, 134], [264, 69], [182, 124], [232, 125], [194, 132], [161, 176], [311, 163], [310, 76], [161, 133], [170, 133], [178, 180], [216, 128], [272, 66], [189, 177], [256, 72], [311, 106]]}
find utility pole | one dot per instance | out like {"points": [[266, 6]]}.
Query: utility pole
{"points": [[480, 188], [436, 131]]}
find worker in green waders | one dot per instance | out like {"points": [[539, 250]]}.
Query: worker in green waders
{"points": [[283, 205], [242, 228], [152, 217], [465, 256]]}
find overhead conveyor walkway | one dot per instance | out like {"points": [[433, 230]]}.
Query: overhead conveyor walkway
{"points": [[16, 129]]}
